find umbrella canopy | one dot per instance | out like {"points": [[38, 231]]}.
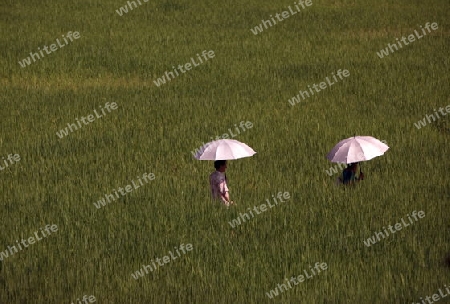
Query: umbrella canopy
{"points": [[224, 149], [357, 149]]}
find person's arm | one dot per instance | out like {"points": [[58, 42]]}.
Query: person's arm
{"points": [[224, 192], [361, 176], [226, 197]]}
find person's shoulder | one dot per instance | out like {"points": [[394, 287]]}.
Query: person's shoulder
{"points": [[214, 174]]}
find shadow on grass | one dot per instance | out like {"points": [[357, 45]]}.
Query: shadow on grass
{"points": [[442, 125]]}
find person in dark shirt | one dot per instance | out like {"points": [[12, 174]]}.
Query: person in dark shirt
{"points": [[349, 174]]}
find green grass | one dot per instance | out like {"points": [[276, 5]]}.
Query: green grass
{"points": [[154, 129]]}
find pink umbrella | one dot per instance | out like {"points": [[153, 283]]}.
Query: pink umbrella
{"points": [[357, 149], [224, 149]]}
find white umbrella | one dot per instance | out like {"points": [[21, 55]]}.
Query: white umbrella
{"points": [[357, 149], [224, 149]]}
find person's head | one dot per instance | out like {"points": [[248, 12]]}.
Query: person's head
{"points": [[352, 167], [220, 165]]}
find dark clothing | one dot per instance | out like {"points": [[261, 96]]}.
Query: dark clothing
{"points": [[348, 176]]}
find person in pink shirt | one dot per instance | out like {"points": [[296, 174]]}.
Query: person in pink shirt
{"points": [[218, 183]]}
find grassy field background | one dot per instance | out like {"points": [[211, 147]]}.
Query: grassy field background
{"points": [[154, 130]]}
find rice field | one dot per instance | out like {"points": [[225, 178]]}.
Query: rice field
{"points": [[86, 113]]}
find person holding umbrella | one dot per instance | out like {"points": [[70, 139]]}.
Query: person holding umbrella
{"points": [[220, 151], [354, 150], [218, 183]]}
